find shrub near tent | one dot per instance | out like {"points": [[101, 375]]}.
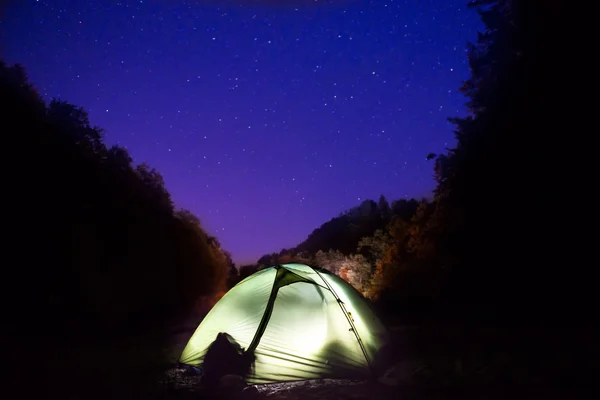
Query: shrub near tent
{"points": [[301, 322]]}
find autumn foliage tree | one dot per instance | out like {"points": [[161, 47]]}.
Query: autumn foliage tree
{"points": [[355, 245]]}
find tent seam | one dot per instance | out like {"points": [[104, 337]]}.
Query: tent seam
{"points": [[342, 307]]}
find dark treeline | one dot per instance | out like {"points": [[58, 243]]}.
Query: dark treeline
{"points": [[101, 252], [112, 243]]}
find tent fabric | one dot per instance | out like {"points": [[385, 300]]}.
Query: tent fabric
{"points": [[303, 323]]}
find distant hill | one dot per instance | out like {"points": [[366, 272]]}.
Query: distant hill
{"points": [[344, 232]]}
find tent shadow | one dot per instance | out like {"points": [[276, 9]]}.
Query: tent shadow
{"points": [[340, 365]]}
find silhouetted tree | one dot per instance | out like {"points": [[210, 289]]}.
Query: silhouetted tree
{"points": [[102, 253], [268, 260], [233, 278], [247, 270], [502, 152], [384, 208], [404, 209]]}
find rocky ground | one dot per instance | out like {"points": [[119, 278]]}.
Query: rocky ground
{"points": [[184, 386], [422, 368], [411, 376]]}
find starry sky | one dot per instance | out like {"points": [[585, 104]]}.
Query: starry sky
{"points": [[266, 118]]}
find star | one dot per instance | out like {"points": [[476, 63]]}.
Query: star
{"points": [[343, 100]]}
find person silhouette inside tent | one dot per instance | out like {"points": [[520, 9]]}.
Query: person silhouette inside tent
{"points": [[226, 358]]}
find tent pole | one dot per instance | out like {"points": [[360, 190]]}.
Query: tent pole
{"points": [[266, 316], [278, 283]]}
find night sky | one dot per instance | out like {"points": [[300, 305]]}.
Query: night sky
{"points": [[265, 120]]}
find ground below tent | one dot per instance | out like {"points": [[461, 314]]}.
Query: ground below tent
{"points": [[101, 371], [187, 389], [432, 376]]}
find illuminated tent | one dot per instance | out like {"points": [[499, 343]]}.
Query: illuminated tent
{"points": [[302, 323]]}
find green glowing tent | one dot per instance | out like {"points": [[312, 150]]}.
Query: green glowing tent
{"points": [[302, 323]]}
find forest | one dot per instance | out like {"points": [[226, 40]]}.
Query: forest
{"points": [[104, 259], [103, 255]]}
